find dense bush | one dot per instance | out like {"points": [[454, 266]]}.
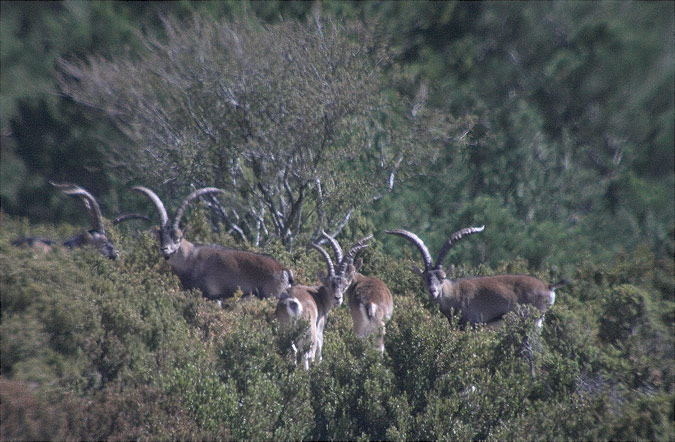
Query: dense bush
{"points": [[98, 349]]}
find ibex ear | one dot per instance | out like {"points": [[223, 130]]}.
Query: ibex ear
{"points": [[320, 275], [417, 270], [450, 269], [357, 264]]}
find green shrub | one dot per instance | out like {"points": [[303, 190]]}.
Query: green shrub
{"points": [[623, 310], [100, 349]]}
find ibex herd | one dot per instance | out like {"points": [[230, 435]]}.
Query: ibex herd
{"points": [[370, 300], [219, 272]]}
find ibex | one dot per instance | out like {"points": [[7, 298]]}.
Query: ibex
{"points": [[370, 301], [216, 271], [313, 303], [39, 244], [96, 237], [478, 299]]}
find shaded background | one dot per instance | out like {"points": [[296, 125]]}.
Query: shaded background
{"points": [[571, 102]]}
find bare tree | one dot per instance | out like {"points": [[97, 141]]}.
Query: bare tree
{"points": [[297, 122]]}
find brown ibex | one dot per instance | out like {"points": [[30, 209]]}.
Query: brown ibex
{"points": [[313, 303], [478, 299], [370, 302], [96, 237], [217, 271], [39, 244]]}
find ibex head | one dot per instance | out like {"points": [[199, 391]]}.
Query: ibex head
{"points": [[170, 235], [100, 241], [97, 236], [434, 275], [338, 280]]}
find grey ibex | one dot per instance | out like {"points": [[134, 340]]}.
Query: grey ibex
{"points": [[97, 237], [216, 271], [312, 303], [478, 299], [370, 302]]}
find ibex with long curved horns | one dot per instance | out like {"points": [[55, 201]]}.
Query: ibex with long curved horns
{"points": [[313, 303], [97, 237], [216, 271], [478, 299], [370, 302]]}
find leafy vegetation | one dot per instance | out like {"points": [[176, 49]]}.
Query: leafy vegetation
{"points": [[99, 349], [564, 119], [286, 118], [552, 124]]}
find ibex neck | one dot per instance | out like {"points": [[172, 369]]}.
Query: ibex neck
{"points": [[182, 260], [448, 287], [358, 278], [324, 300]]}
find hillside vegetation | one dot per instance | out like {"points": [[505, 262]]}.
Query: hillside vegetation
{"points": [[100, 349], [552, 124]]}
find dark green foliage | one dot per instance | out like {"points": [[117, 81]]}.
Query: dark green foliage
{"points": [[623, 311], [559, 161], [564, 146], [100, 349]]}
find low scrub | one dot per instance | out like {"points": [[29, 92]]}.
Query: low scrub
{"points": [[100, 349]]}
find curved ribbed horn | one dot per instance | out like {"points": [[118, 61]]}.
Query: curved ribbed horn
{"points": [[186, 201], [453, 238], [129, 216], [418, 243], [161, 210], [349, 257], [336, 247], [326, 256], [90, 203]]}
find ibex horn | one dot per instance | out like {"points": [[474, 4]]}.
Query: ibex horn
{"points": [[90, 203], [336, 247], [349, 257], [326, 257], [426, 256], [453, 238], [159, 205], [190, 197]]}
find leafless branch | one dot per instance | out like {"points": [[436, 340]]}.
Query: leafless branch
{"points": [[289, 119]]}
